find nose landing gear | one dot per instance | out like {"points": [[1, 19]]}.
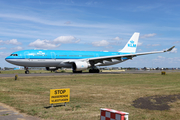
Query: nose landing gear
{"points": [[27, 71]]}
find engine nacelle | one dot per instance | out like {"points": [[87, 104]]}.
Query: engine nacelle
{"points": [[51, 68], [79, 66]]}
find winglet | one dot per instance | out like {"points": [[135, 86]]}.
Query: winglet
{"points": [[169, 49]]}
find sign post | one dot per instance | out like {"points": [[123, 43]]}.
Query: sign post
{"points": [[59, 96]]}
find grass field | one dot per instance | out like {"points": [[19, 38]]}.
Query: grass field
{"points": [[31, 71], [90, 92]]}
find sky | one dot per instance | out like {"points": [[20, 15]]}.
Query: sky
{"points": [[92, 25]]}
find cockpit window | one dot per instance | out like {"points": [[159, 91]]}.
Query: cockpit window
{"points": [[14, 55]]}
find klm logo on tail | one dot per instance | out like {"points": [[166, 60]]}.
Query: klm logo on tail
{"points": [[131, 44]]}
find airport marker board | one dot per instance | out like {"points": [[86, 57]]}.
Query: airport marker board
{"points": [[59, 95]]}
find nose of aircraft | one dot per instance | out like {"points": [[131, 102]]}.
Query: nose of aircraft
{"points": [[8, 60]]}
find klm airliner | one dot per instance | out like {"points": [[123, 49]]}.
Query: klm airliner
{"points": [[77, 60]]}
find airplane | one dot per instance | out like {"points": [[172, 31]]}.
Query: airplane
{"points": [[77, 60]]}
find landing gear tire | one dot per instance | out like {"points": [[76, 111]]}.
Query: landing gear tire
{"points": [[77, 71], [94, 71], [27, 72], [97, 71]]}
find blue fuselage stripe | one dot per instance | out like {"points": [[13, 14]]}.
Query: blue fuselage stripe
{"points": [[60, 54]]}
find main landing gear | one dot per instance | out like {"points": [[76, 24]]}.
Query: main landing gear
{"points": [[94, 71], [77, 71], [27, 71]]}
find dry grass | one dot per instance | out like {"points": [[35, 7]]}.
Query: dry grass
{"points": [[31, 71], [89, 93]]}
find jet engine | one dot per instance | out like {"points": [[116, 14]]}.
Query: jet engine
{"points": [[51, 68], [79, 66]]}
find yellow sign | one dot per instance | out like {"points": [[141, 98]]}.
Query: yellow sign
{"points": [[59, 95]]}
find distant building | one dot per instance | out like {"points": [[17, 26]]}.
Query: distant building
{"points": [[17, 68]]}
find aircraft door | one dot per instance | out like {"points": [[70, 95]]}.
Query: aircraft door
{"points": [[53, 55], [97, 55], [26, 54]]}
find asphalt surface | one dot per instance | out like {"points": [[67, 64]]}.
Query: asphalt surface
{"points": [[8, 113], [86, 73]]}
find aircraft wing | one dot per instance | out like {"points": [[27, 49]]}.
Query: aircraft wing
{"points": [[120, 57]]}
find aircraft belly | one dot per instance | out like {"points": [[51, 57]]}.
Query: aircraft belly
{"points": [[38, 62]]}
